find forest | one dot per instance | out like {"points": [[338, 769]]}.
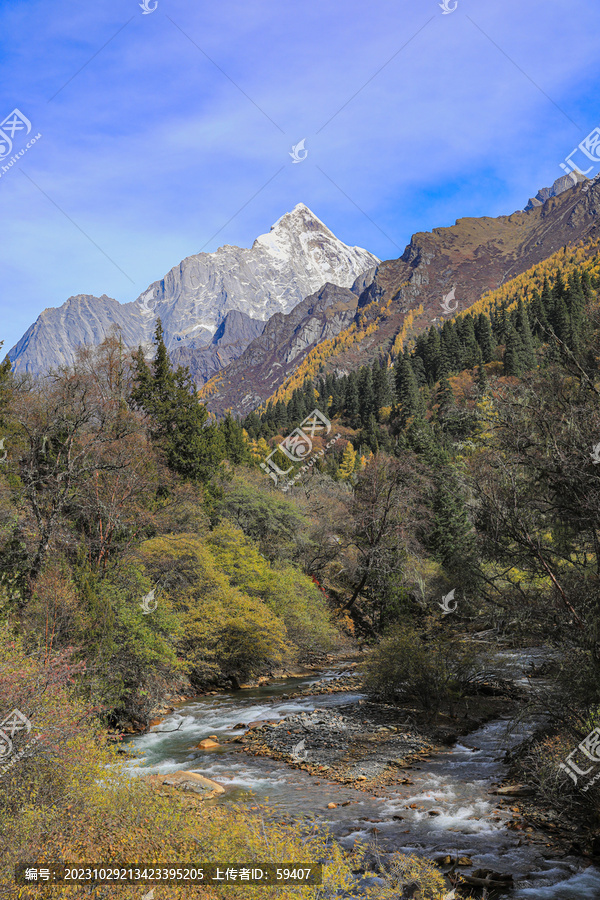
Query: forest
{"points": [[467, 462]]}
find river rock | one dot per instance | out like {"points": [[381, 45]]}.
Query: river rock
{"points": [[207, 744], [190, 781], [515, 790]]}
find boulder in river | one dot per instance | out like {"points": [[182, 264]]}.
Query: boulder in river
{"points": [[514, 790], [190, 781], [207, 744]]}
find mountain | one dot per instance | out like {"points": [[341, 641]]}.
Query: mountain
{"points": [[231, 338], [285, 342], [560, 185], [296, 257], [403, 296]]}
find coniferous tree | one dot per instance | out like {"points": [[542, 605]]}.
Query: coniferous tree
{"points": [[178, 422], [432, 356], [236, 449], [485, 337], [419, 370], [451, 538], [444, 395], [407, 391], [366, 395], [537, 316], [352, 401], [381, 386], [512, 354], [482, 379], [527, 357], [348, 462], [470, 347]]}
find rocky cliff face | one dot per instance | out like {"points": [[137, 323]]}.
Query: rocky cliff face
{"points": [[560, 185], [293, 260], [277, 352], [230, 340]]}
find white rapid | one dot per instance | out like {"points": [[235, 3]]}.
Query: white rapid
{"points": [[447, 807]]}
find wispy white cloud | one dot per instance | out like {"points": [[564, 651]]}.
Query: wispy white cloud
{"points": [[153, 147]]}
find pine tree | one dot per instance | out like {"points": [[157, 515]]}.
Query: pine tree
{"points": [[366, 395], [419, 370], [538, 317], [485, 337], [512, 354], [444, 395], [352, 401], [178, 422], [235, 446], [470, 347], [527, 356], [501, 325], [381, 386], [432, 356], [451, 538], [407, 391], [369, 436]]}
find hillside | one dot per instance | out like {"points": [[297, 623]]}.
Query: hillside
{"points": [[471, 258]]}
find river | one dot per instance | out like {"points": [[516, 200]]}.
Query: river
{"points": [[454, 784]]}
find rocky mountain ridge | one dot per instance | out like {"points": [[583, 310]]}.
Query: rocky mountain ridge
{"points": [[463, 260], [296, 257]]}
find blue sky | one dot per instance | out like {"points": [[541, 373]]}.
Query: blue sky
{"points": [[169, 128]]}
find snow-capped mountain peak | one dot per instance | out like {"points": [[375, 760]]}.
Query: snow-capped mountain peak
{"points": [[293, 260]]}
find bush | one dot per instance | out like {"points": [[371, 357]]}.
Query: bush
{"points": [[426, 671], [274, 524], [290, 594], [225, 633]]}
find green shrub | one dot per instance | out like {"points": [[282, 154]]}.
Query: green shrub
{"points": [[225, 632], [285, 590], [428, 671]]}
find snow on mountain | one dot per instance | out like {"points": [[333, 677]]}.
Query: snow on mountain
{"points": [[296, 257]]}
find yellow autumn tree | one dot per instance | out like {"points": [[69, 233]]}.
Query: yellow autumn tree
{"points": [[348, 462]]}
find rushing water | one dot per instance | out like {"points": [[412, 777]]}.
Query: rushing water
{"points": [[454, 785]]}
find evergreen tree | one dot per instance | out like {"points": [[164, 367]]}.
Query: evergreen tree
{"points": [[236, 449], [366, 395], [444, 395], [381, 386], [178, 421], [432, 358], [451, 538], [419, 370], [512, 354], [450, 349], [547, 298], [482, 379], [352, 401], [407, 391], [538, 316], [470, 347], [485, 337], [501, 325], [369, 436], [527, 358]]}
